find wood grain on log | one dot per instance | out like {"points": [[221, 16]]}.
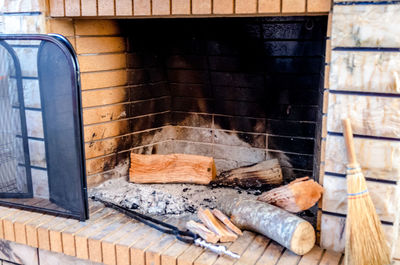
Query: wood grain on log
{"points": [[174, 168], [202, 231], [299, 195], [265, 173], [216, 226], [285, 228], [225, 220]]}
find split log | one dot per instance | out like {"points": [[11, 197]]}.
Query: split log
{"points": [[299, 195], [202, 231], [285, 228], [225, 220], [268, 172], [216, 226], [174, 168]]}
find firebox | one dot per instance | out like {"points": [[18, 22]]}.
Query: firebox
{"points": [[41, 149], [241, 90]]}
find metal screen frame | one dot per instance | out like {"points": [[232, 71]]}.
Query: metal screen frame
{"points": [[63, 44]]}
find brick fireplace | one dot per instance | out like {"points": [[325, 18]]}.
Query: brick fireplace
{"points": [[145, 97]]}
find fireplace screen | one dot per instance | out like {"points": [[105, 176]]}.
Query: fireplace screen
{"points": [[41, 150]]}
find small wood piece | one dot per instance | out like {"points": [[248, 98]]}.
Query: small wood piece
{"points": [[285, 228], [299, 195], [202, 231], [216, 226], [174, 168], [225, 220], [268, 172]]}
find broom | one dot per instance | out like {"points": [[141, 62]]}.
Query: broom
{"points": [[365, 240]]}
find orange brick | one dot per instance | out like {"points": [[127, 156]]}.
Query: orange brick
{"points": [[318, 5], [89, 7], [106, 130], [269, 6], [141, 8], [324, 128], [64, 27], [98, 97], [326, 77], [105, 7], [161, 7], [101, 62], [56, 8], [293, 6], [103, 114], [180, 7], [92, 27], [328, 51], [325, 102], [72, 8], [223, 6], [201, 7], [100, 44], [246, 6], [123, 7], [103, 79], [329, 30], [72, 41], [322, 169]]}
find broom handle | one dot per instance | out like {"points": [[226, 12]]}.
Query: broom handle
{"points": [[348, 137]]}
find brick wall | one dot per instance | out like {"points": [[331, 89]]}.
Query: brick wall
{"points": [[231, 84], [143, 8], [204, 96], [101, 53]]}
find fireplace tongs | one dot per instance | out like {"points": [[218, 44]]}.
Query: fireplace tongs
{"points": [[184, 236]]}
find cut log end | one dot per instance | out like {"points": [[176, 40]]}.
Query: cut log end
{"points": [[225, 220], [303, 239], [216, 226], [298, 195], [202, 231]]}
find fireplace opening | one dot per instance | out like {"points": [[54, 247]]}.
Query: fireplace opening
{"points": [[240, 90]]}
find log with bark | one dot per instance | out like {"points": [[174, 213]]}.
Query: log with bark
{"points": [[285, 228], [267, 172], [174, 168], [299, 195]]}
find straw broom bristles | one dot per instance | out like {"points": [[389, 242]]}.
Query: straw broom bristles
{"points": [[365, 240]]}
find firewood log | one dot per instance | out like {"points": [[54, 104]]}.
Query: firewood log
{"points": [[299, 195], [254, 176], [225, 220], [202, 231], [174, 168], [216, 226], [285, 228]]}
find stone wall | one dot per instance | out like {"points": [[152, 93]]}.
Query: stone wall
{"points": [[364, 86]]}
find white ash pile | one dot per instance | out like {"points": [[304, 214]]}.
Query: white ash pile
{"points": [[163, 199]]}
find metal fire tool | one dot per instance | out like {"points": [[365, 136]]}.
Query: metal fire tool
{"points": [[184, 236], [219, 249]]}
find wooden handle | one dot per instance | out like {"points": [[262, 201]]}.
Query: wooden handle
{"points": [[348, 137]]}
